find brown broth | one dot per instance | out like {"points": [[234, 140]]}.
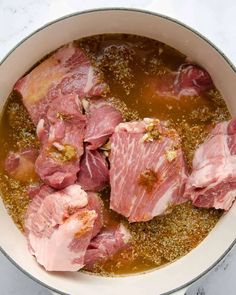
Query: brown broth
{"points": [[130, 65]]}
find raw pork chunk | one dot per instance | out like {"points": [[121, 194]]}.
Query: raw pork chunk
{"points": [[106, 243], [188, 80], [101, 123], [213, 179], [61, 133], [20, 165], [192, 80], [59, 227], [148, 171], [94, 173], [67, 71]]}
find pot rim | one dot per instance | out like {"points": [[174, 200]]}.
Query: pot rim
{"points": [[141, 11]]}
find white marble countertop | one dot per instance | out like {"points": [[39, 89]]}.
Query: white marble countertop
{"points": [[213, 18]]}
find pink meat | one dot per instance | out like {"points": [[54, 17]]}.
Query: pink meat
{"points": [[67, 71], [20, 165], [192, 80], [105, 244], [102, 120], [188, 80], [39, 190], [61, 134], [94, 173], [147, 173], [213, 179], [95, 203], [59, 227]]}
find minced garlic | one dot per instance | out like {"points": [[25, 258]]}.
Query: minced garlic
{"points": [[63, 153], [171, 155], [152, 130]]}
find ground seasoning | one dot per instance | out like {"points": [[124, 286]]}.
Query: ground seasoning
{"points": [[62, 153], [175, 234], [147, 179], [127, 113], [15, 198], [191, 137], [17, 127]]}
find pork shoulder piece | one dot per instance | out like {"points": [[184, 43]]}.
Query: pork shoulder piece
{"points": [[61, 133], [105, 244], [67, 71], [101, 122], [20, 165], [59, 227], [188, 80], [213, 179], [192, 80], [94, 173], [148, 170]]}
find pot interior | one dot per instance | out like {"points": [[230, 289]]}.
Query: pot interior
{"points": [[157, 27]]}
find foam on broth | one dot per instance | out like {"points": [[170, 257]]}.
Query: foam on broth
{"points": [[131, 66]]}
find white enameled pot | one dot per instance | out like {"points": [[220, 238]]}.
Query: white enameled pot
{"points": [[175, 277]]}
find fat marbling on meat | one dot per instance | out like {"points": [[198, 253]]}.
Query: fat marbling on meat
{"points": [[67, 71], [212, 182], [148, 170], [94, 173], [60, 225], [101, 122]]}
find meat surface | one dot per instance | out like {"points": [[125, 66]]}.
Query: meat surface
{"points": [[95, 203], [192, 80], [105, 244], [39, 190], [102, 120], [148, 171], [59, 227], [67, 71], [61, 134], [213, 179], [20, 165], [94, 173], [188, 80]]}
